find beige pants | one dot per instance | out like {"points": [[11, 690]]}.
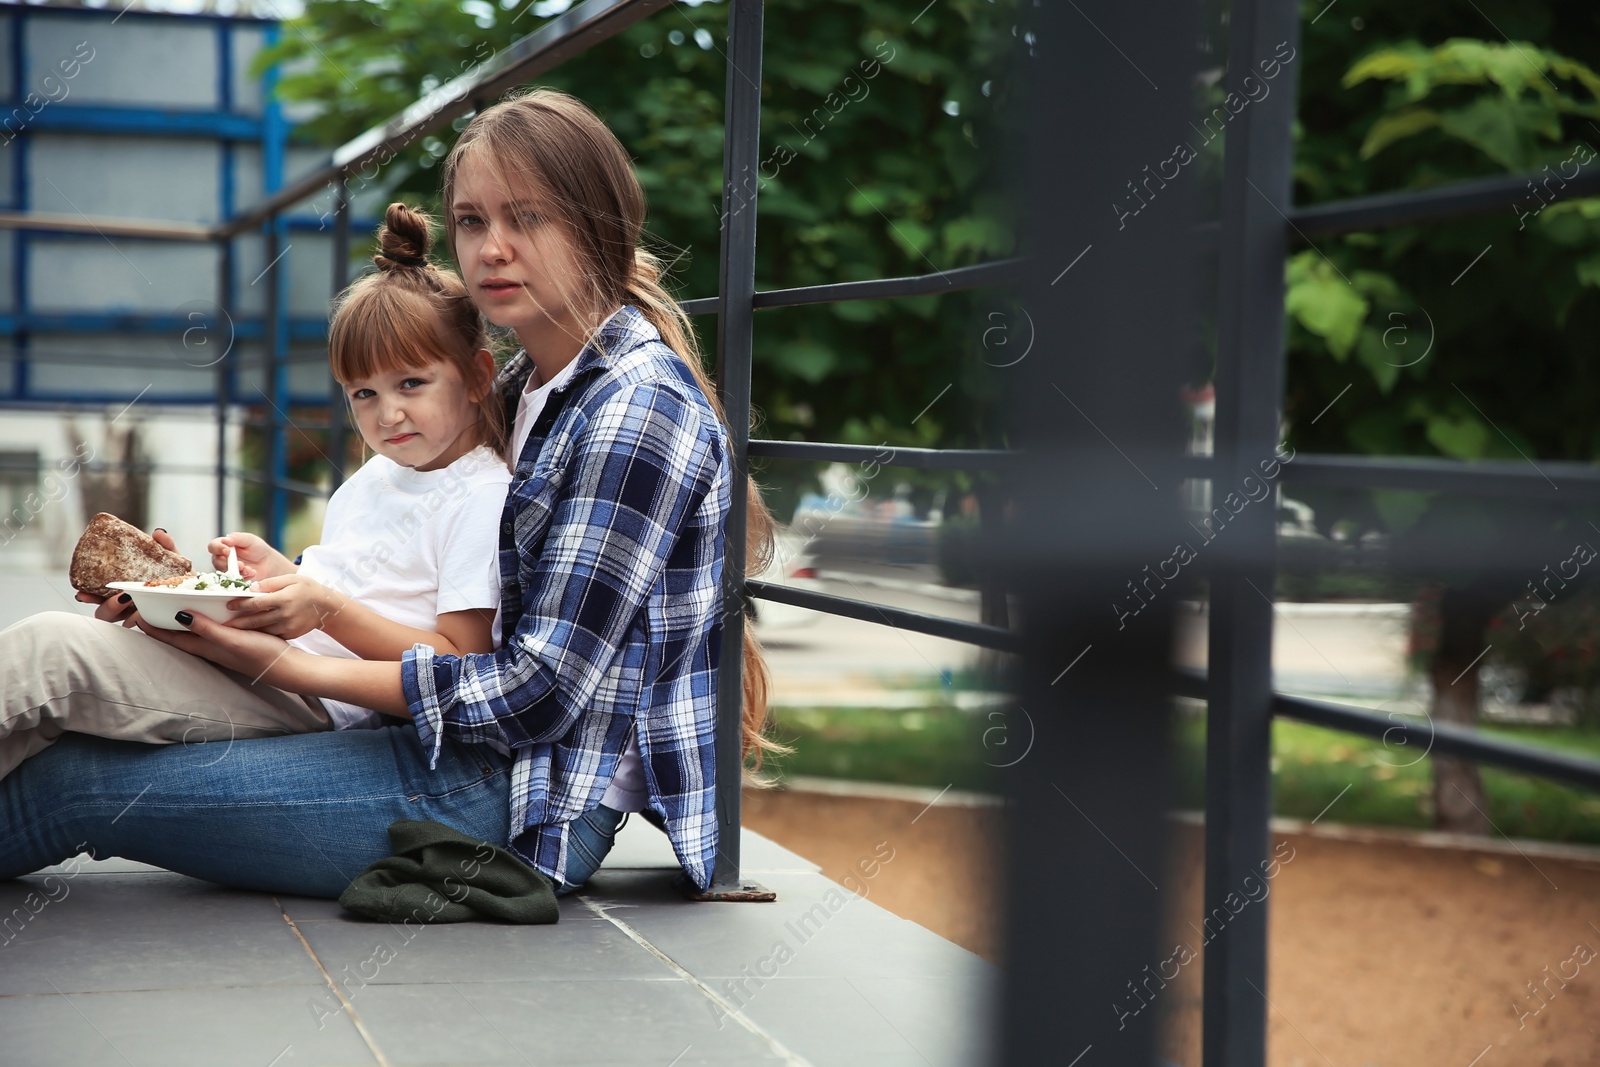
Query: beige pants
{"points": [[60, 671]]}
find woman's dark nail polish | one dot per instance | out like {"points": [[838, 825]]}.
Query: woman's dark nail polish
{"points": [[125, 598], [184, 617]]}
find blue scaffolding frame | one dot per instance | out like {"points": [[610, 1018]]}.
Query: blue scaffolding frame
{"points": [[231, 125]]}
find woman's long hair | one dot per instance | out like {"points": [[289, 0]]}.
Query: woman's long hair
{"points": [[548, 140]]}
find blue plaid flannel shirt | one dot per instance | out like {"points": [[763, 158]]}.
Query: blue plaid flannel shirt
{"points": [[611, 553]]}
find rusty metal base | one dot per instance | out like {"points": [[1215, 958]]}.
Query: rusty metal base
{"points": [[741, 891]]}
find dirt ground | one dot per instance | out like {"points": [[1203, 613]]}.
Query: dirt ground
{"points": [[1382, 954]]}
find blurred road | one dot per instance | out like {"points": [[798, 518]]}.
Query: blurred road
{"points": [[23, 594], [1351, 650], [823, 659]]}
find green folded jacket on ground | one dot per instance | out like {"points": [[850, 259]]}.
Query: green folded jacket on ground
{"points": [[440, 875]]}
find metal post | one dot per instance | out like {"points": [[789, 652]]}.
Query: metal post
{"points": [[21, 240], [735, 331], [1249, 386], [224, 373], [338, 423], [1093, 515], [274, 142], [276, 369]]}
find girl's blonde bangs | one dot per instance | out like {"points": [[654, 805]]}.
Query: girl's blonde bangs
{"points": [[381, 329]]}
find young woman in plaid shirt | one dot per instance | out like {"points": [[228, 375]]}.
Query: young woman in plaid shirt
{"points": [[601, 697]]}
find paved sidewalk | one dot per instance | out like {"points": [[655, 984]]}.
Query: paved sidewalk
{"points": [[119, 963]]}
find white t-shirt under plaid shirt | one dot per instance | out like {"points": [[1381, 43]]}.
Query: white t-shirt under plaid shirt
{"points": [[627, 791]]}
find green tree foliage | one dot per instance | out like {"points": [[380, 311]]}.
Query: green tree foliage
{"points": [[883, 142], [1447, 354], [1466, 339]]}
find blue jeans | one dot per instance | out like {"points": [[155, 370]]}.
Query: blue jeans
{"points": [[300, 814], [588, 840]]}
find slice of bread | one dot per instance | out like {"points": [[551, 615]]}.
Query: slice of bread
{"points": [[110, 550]]}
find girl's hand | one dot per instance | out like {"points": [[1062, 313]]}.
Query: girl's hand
{"points": [[292, 606], [257, 559], [257, 656]]}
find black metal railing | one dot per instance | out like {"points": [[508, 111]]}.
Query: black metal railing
{"points": [[1254, 234]]}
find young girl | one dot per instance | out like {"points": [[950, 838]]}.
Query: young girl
{"points": [[407, 555], [602, 694]]}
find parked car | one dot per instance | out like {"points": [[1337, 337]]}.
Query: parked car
{"points": [[793, 566]]}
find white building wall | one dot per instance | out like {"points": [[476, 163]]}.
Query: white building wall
{"points": [[247, 41], [174, 179], [40, 534], [6, 26], [71, 365], [186, 504], [150, 63], [69, 274], [8, 245], [136, 62]]}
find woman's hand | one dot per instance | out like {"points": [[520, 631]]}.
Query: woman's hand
{"points": [[257, 656], [118, 607], [291, 605], [261, 657], [257, 559]]}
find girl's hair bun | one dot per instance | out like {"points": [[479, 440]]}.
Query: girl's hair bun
{"points": [[404, 239]]}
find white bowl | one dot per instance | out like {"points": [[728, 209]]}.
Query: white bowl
{"points": [[158, 604]]}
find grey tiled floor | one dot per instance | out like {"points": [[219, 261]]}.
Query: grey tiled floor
{"points": [[124, 964]]}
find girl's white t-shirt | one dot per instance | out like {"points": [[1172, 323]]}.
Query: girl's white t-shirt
{"points": [[627, 791], [410, 545]]}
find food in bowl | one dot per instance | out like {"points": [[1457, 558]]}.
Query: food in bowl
{"points": [[159, 600], [195, 582]]}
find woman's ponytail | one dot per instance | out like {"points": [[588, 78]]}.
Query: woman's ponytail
{"points": [[646, 293]]}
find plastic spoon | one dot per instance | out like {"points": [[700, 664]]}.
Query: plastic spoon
{"points": [[233, 564]]}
